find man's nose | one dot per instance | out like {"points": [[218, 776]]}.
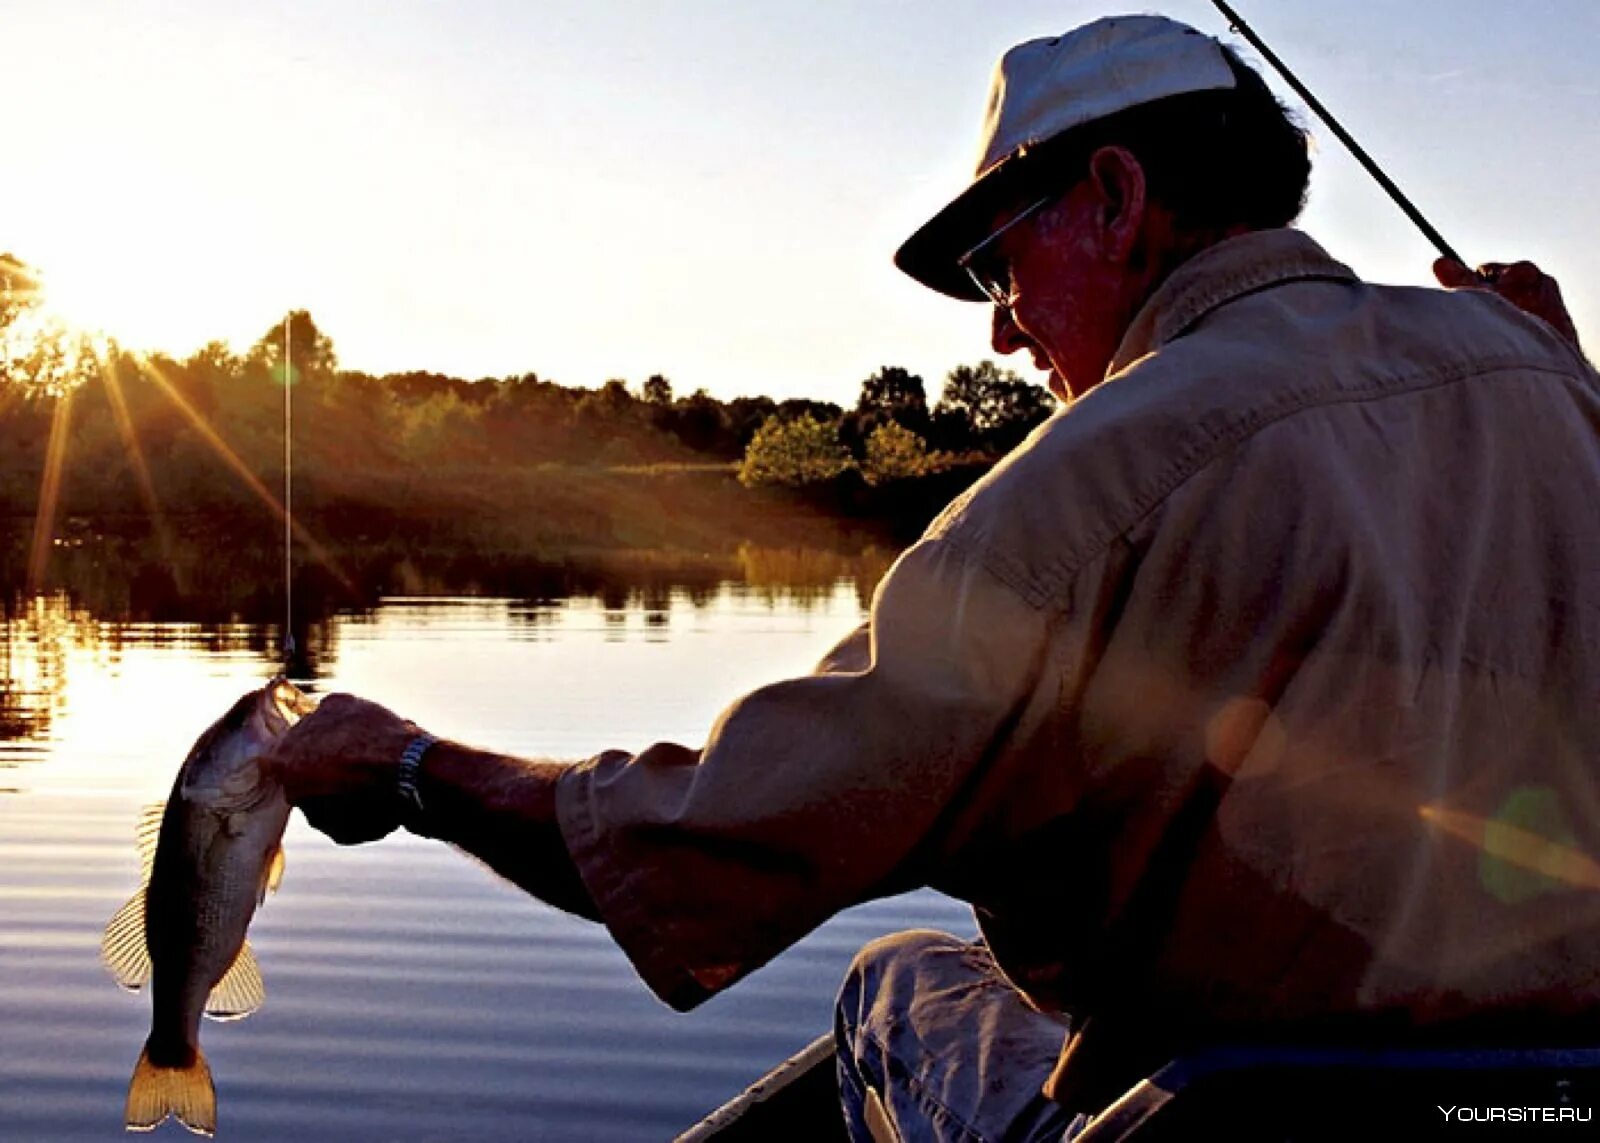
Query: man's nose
{"points": [[1004, 334]]}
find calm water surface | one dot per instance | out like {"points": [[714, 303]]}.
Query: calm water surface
{"points": [[411, 994]]}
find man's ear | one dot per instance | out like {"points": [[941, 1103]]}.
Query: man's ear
{"points": [[1119, 187]]}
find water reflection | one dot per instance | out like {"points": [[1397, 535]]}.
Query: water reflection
{"points": [[805, 575], [107, 596], [220, 583], [410, 996], [34, 642]]}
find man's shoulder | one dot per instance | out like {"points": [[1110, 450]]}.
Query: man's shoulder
{"points": [[1060, 499], [1099, 467]]}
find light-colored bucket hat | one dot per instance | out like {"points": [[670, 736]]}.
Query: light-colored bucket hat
{"points": [[1042, 88]]}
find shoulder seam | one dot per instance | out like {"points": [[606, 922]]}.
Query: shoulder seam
{"points": [[1002, 571]]}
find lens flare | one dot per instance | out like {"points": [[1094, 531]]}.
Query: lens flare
{"points": [[1517, 846]]}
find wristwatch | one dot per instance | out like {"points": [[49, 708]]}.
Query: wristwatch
{"points": [[412, 810]]}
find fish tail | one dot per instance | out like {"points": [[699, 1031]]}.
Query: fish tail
{"points": [[156, 1092]]}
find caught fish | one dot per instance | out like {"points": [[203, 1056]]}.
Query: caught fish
{"points": [[210, 855]]}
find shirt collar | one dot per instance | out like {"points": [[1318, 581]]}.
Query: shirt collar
{"points": [[1216, 276]]}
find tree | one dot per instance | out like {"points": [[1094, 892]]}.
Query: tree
{"points": [[19, 288], [794, 453], [796, 407], [893, 394], [442, 427], [894, 452], [747, 414], [609, 402], [996, 407], [39, 356], [311, 350], [697, 421], [657, 390], [215, 359]]}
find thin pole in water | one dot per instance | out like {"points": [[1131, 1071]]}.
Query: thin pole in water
{"points": [[1236, 24], [288, 499]]}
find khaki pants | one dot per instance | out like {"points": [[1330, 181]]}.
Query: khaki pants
{"points": [[934, 1044]]}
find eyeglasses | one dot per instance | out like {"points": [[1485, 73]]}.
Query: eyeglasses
{"points": [[988, 268]]}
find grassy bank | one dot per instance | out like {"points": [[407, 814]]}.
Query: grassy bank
{"points": [[536, 532]]}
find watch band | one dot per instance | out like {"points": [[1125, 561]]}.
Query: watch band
{"points": [[411, 807]]}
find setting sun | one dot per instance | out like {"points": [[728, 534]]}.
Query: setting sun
{"points": [[41, 347], [117, 289]]}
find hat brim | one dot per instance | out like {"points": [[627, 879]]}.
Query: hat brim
{"points": [[931, 255]]}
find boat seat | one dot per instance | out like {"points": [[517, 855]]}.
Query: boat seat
{"points": [[1255, 1094]]}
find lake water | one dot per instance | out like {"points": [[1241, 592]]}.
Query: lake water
{"points": [[411, 995]]}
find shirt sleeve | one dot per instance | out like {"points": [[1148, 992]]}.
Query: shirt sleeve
{"points": [[813, 794]]}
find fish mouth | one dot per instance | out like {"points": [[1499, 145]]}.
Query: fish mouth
{"points": [[286, 701]]}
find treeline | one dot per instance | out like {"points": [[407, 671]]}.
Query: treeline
{"points": [[892, 435], [97, 433]]}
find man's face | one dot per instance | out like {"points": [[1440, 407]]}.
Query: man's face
{"points": [[1073, 285]]}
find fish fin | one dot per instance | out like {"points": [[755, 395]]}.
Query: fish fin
{"points": [[272, 874], [147, 834], [156, 1092], [123, 949], [240, 991]]}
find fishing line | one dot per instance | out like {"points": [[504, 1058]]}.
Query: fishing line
{"points": [[288, 500]]}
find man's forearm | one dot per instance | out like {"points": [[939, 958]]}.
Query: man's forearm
{"points": [[502, 810]]}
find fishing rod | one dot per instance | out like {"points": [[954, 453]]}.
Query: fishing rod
{"points": [[1236, 24]]}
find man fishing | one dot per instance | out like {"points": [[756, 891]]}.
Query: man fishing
{"points": [[1251, 700]]}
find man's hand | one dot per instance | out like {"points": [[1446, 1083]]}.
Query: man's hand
{"points": [[340, 765], [1522, 284]]}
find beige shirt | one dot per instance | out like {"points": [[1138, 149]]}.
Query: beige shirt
{"points": [[1261, 686]]}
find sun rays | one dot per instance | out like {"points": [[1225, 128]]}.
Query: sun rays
{"points": [[238, 467], [141, 470], [49, 492], [58, 362], [43, 357]]}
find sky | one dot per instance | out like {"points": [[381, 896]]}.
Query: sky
{"points": [[712, 191]]}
